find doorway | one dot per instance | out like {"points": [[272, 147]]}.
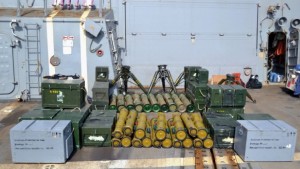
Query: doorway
{"points": [[276, 57]]}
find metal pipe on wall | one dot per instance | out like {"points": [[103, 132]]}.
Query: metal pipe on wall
{"points": [[100, 8]]}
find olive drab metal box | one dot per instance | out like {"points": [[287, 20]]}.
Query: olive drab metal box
{"points": [[228, 95], [265, 140], [102, 74], [77, 117], [197, 91], [63, 93], [239, 97], [190, 72], [221, 130], [215, 96], [40, 114], [202, 76], [41, 141], [97, 128], [101, 93], [234, 112]]}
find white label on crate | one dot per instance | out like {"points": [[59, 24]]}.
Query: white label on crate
{"points": [[228, 140], [96, 138]]}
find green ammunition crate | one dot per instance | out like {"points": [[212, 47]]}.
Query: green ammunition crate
{"points": [[63, 93], [202, 76], [227, 111], [199, 106], [102, 74], [77, 118], [255, 117], [190, 72], [97, 128], [228, 95], [215, 95], [197, 91], [222, 131], [239, 97], [40, 114], [101, 93]]}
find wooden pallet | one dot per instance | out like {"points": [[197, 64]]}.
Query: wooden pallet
{"points": [[228, 159]]}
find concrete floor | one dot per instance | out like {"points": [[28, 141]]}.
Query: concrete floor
{"points": [[273, 100]]}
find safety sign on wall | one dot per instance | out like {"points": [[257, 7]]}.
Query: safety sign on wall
{"points": [[67, 45]]}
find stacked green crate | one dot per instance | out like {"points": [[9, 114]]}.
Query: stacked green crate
{"points": [[196, 79], [77, 117], [58, 93], [228, 99], [97, 128], [221, 128], [40, 114], [197, 93]]}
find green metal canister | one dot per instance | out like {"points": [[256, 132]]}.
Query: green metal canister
{"points": [[189, 106], [163, 105], [129, 102], [170, 102], [147, 107], [154, 103], [113, 103], [180, 106], [120, 102], [137, 102]]}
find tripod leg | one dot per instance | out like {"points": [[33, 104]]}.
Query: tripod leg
{"points": [[163, 82], [250, 97], [137, 82], [125, 85], [178, 80], [171, 81], [153, 82], [113, 82]]}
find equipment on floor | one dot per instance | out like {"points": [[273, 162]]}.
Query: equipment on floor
{"points": [[221, 130], [58, 93], [265, 140], [231, 79], [231, 112], [77, 117], [125, 74], [101, 88], [40, 114], [164, 74], [41, 141], [97, 128]]}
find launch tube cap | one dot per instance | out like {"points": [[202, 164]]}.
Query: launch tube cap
{"points": [[202, 134], [177, 144], [139, 134], [167, 143], [164, 108], [160, 135], [156, 108], [181, 135], [126, 142], [208, 143], [147, 108], [146, 142], [187, 143]]}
